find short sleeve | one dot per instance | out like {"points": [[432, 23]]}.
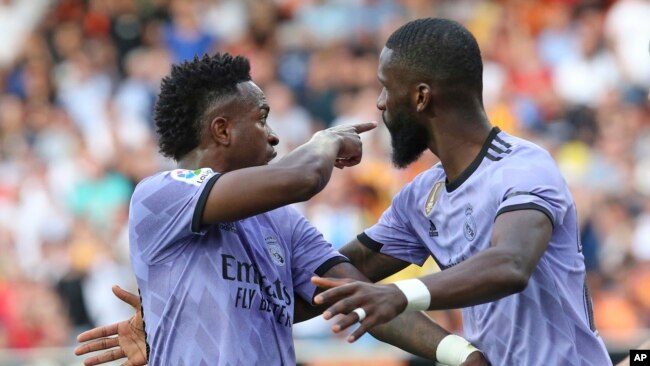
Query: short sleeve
{"points": [[535, 185], [311, 255], [393, 235], [166, 210]]}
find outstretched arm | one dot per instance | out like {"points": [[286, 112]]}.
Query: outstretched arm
{"points": [[120, 340], [372, 265], [413, 332], [296, 177], [497, 272]]}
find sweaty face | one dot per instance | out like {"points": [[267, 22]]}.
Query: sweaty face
{"points": [[408, 137], [253, 139]]}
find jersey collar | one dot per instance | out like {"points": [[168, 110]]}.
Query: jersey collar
{"points": [[451, 186]]}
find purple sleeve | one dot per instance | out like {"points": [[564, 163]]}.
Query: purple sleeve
{"points": [[534, 184], [311, 255], [166, 210], [393, 234]]}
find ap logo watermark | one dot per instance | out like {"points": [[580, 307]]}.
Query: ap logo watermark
{"points": [[639, 357]]}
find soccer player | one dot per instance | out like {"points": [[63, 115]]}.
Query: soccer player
{"points": [[495, 214], [220, 258]]}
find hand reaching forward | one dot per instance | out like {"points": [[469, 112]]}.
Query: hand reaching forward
{"points": [[350, 151], [381, 303], [130, 340]]}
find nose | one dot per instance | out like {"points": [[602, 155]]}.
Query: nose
{"points": [[381, 101], [272, 137]]}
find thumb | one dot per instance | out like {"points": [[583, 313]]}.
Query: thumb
{"points": [[127, 297]]}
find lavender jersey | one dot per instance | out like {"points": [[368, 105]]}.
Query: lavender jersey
{"points": [[219, 294], [550, 322]]}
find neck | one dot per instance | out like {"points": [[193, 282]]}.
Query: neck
{"points": [[202, 158], [457, 139]]}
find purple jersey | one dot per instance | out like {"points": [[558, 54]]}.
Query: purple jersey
{"points": [[219, 294], [550, 322]]}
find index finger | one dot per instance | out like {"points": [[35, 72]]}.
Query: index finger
{"points": [[363, 127], [326, 282], [99, 332], [334, 294]]}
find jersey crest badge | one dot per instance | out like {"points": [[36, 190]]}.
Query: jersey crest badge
{"points": [[469, 227], [194, 177], [433, 197], [277, 254]]}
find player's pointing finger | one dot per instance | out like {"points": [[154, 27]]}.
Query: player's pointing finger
{"points": [[365, 126]]}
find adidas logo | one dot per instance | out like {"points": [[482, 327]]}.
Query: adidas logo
{"points": [[432, 229]]}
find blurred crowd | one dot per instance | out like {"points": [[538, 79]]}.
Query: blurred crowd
{"points": [[79, 78]]}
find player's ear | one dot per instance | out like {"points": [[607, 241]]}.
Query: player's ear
{"points": [[424, 98], [220, 130]]}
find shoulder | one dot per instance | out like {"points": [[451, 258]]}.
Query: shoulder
{"points": [[194, 177], [149, 183], [527, 162], [172, 182], [287, 217], [520, 145], [527, 155]]}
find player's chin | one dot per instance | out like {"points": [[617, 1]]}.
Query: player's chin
{"points": [[270, 157]]}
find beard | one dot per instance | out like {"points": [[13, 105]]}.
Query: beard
{"points": [[407, 137]]}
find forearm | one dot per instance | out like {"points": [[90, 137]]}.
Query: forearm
{"points": [[374, 265], [486, 277], [302, 310], [414, 332], [314, 160]]}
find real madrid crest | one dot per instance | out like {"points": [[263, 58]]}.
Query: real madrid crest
{"points": [[469, 227], [275, 249], [433, 197]]}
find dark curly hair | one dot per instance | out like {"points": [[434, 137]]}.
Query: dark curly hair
{"points": [[441, 49], [187, 92]]}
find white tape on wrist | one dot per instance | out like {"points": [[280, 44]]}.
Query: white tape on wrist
{"points": [[454, 350], [417, 294]]}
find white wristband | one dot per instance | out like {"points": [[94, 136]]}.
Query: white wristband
{"points": [[454, 350], [417, 294]]}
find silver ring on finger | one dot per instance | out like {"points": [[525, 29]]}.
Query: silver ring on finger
{"points": [[360, 313]]}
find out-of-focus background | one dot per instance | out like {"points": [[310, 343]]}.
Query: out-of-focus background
{"points": [[79, 78]]}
